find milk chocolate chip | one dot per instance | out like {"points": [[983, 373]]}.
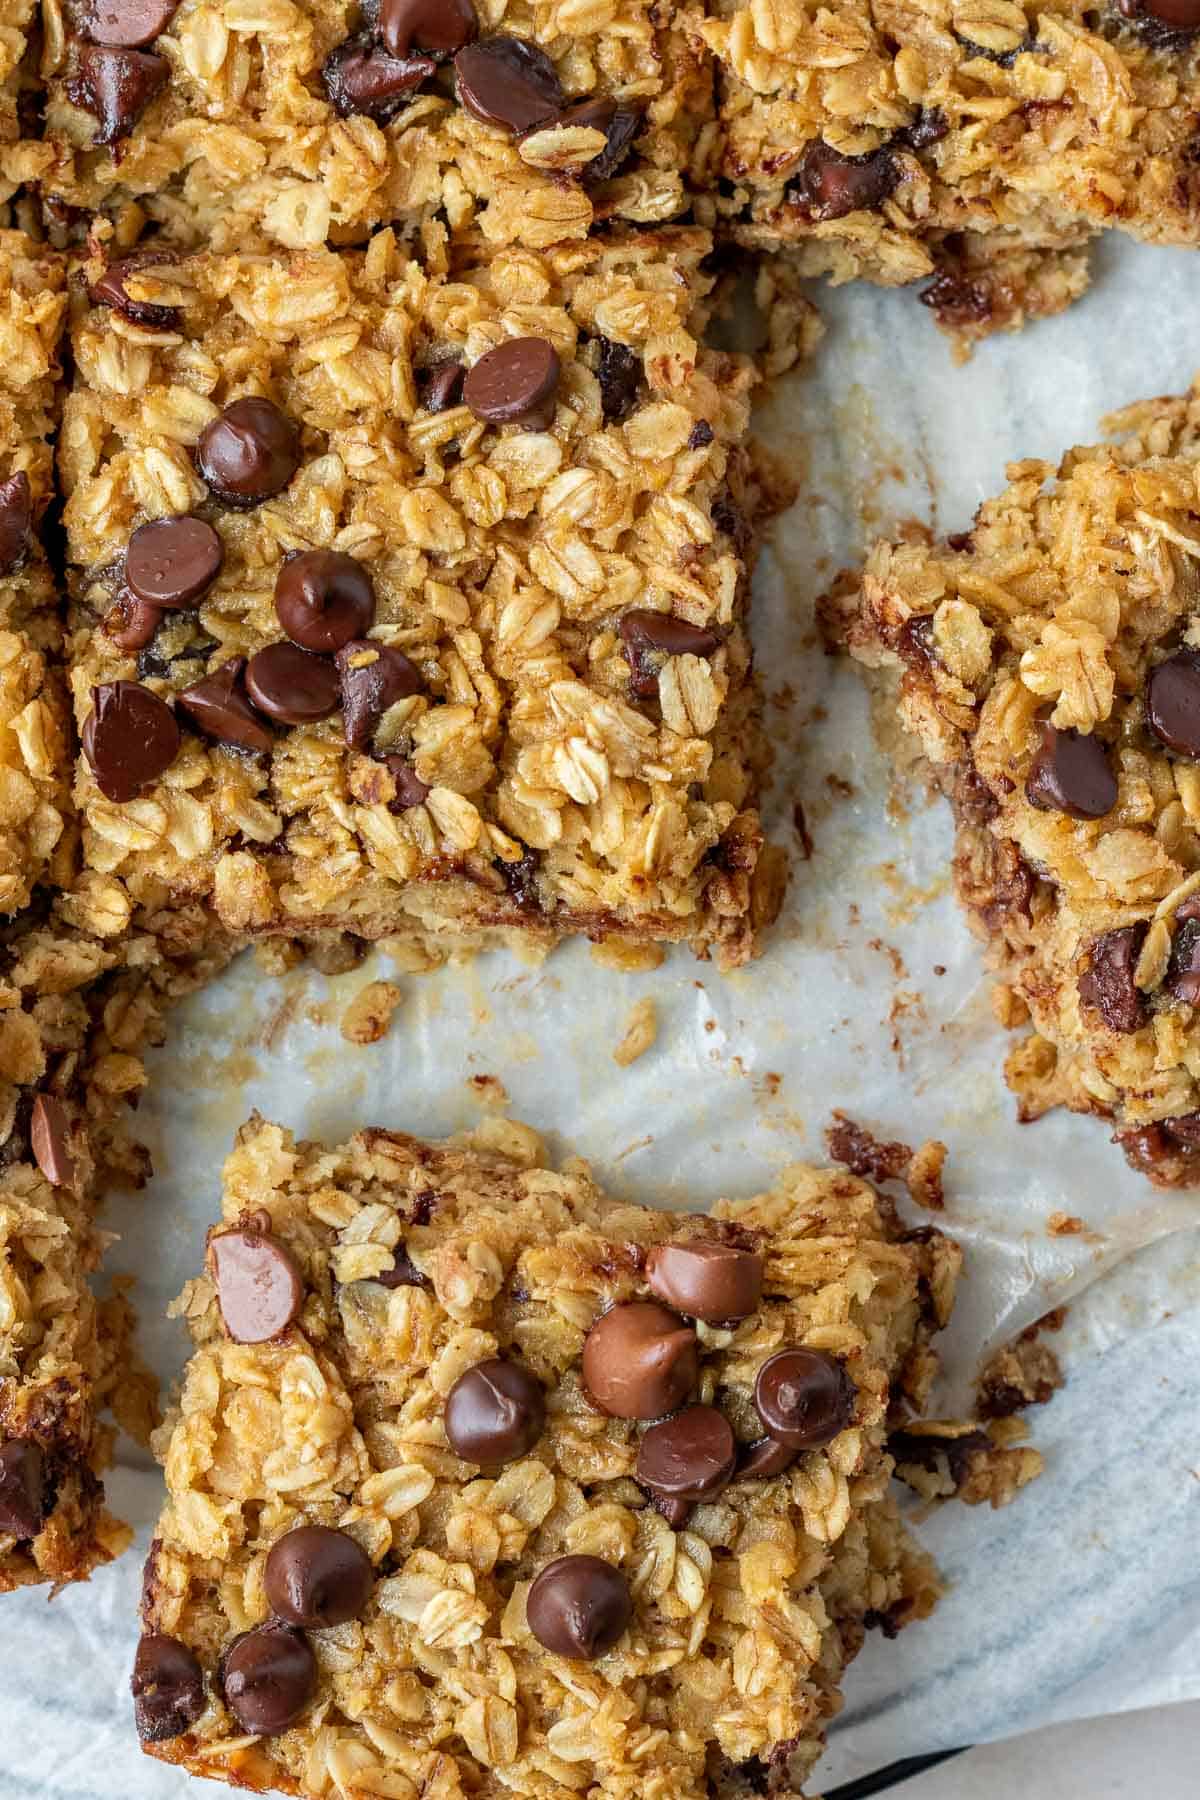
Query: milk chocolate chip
{"points": [[714, 1282], [640, 1361], [50, 1140], [260, 1289]]}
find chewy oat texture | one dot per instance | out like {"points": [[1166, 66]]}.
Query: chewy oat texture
{"points": [[337, 1602], [980, 142], [447, 637], [1049, 667]]}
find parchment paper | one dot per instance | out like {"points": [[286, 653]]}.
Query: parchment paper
{"points": [[1082, 1597]]}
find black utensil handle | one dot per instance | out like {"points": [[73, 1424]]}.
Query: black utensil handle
{"points": [[896, 1772]]}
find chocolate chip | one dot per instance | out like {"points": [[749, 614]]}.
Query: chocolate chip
{"points": [[675, 1512], [640, 1361], [515, 384], [924, 1450], [168, 1688], [620, 125], [323, 599], [292, 685], [16, 519], [1173, 703], [359, 77], [116, 87], [507, 81], [132, 624], [764, 1458], [1180, 17], [620, 375], [438, 26], [129, 738], [1070, 773], [218, 707], [373, 677], [1185, 1129], [50, 1140], [1183, 969], [403, 1272], [126, 24], [410, 789], [441, 386], [268, 1677], [110, 290], [1108, 984], [22, 1489], [578, 1607], [714, 1282], [171, 562], [650, 637], [260, 1289], [929, 127], [828, 185], [701, 435], [317, 1577], [248, 452], [804, 1398], [521, 880], [495, 1413], [690, 1457]]}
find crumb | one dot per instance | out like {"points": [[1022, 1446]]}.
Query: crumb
{"points": [[369, 1014], [871, 1158], [641, 1029], [1061, 1224], [800, 826], [628, 958], [488, 1090], [1023, 1373]]}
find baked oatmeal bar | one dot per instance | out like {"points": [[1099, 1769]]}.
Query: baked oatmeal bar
{"points": [[980, 142], [1049, 668], [291, 122], [76, 1014], [482, 1479], [409, 596], [24, 158], [35, 762]]}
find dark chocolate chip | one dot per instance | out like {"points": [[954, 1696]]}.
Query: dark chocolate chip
{"points": [[359, 77], [410, 789], [1183, 968], [129, 738], [323, 599], [803, 1397], [168, 1688], [515, 384], [317, 1577], [1173, 703], [764, 1458], [116, 87], [714, 1282], [132, 624], [22, 1489], [828, 185], [640, 1361], [675, 1512], [16, 519], [689, 1457], [620, 125], [50, 1140], [1169, 22], [403, 1272], [495, 1413], [218, 707], [438, 26], [924, 1450], [260, 1289], [1185, 1129], [126, 24], [111, 290], [268, 1677], [578, 1607], [1071, 773], [292, 685], [521, 880], [620, 375], [1108, 984], [507, 81], [441, 386], [170, 562], [373, 677], [701, 435], [650, 637], [248, 452], [929, 127]]}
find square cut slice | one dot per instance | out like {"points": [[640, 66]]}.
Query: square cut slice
{"points": [[35, 761], [426, 1520], [445, 638], [288, 123], [1047, 666], [964, 142]]}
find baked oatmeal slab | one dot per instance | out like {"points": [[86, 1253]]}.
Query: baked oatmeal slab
{"points": [[481, 1479], [1048, 667], [978, 142], [35, 761], [408, 595], [286, 123]]}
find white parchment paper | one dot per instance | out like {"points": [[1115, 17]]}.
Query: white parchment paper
{"points": [[1085, 1595]]}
